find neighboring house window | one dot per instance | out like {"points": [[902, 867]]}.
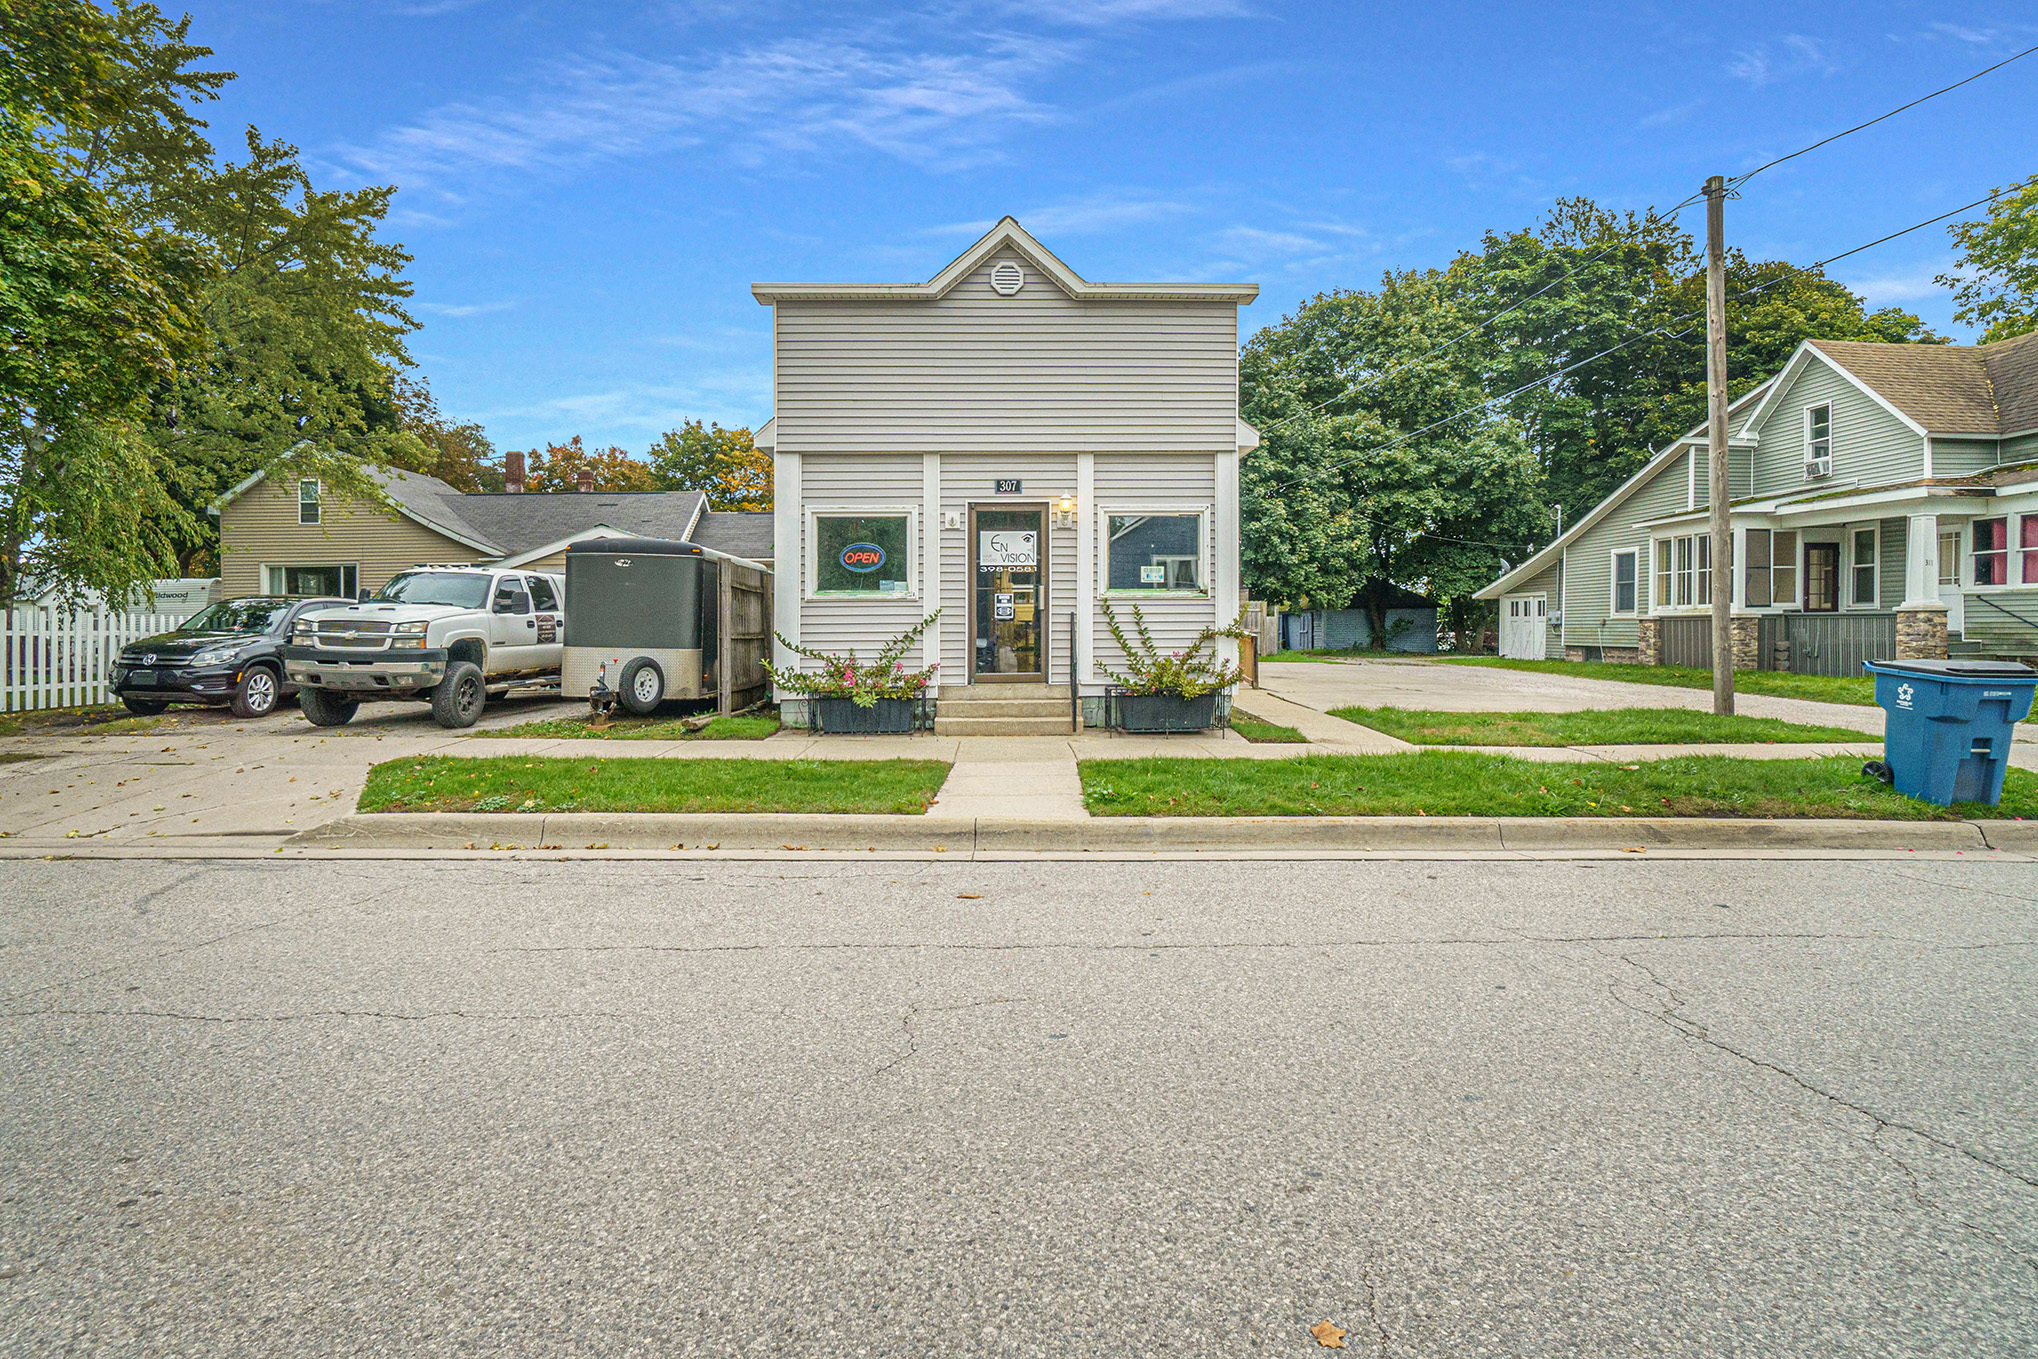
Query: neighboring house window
{"points": [[862, 554], [1154, 552], [1683, 571], [307, 501], [304, 581], [1783, 566], [1624, 581], [1864, 568], [1991, 551], [1949, 559], [2029, 545], [1755, 585], [1818, 441]]}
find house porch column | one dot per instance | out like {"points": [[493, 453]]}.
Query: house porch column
{"points": [[1921, 618]]}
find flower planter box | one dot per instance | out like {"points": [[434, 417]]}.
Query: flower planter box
{"points": [[1150, 714], [841, 715]]}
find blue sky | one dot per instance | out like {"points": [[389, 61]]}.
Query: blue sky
{"points": [[590, 188]]}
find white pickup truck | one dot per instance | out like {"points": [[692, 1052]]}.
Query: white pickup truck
{"points": [[450, 635]]}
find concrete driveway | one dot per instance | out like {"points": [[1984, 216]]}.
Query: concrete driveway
{"points": [[1445, 687], [527, 1109]]}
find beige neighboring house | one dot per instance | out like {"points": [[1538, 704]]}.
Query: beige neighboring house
{"points": [[290, 537]]}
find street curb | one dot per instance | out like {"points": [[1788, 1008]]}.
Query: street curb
{"points": [[1282, 836]]}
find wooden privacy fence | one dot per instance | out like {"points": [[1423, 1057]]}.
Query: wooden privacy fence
{"points": [[745, 635], [64, 659]]}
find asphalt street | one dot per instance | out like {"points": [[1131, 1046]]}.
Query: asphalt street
{"points": [[1186, 1108]]}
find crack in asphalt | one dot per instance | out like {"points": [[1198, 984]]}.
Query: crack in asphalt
{"points": [[912, 1039], [1670, 1011], [1158, 945], [323, 1014]]}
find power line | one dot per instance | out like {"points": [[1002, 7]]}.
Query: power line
{"points": [[1739, 180], [1665, 328]]}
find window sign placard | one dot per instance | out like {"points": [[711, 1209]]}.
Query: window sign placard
{"points": [[1001, 604], [1153, 575], [862, 557], [1010, 486], [1008, 548]]}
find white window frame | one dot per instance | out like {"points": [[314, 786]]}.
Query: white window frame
{"points": [[2018, 552], [1954, 561], [1794, 599], [1697, 572], [1818, 468], [1105, 513], [1849, 567], [354, 567], [316, 503], [1613, 608], [2009, 550], [811, 551]]}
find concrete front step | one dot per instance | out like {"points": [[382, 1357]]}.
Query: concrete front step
{"points": [[1006, 707], [945, 725]]}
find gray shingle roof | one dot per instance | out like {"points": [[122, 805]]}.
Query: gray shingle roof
{"points": [[1950, 388], [740, 533], [512, 524], [2013, 372]]}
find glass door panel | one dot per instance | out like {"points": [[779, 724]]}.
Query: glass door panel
{"points": [[1007, 606]]}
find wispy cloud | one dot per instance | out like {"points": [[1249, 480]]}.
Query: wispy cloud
{"points": [[1978, 37], [1901, 285], [732, 396], [1787, 57], [1080, 217], [457, 310], [1101, 13], [1672, 116]]}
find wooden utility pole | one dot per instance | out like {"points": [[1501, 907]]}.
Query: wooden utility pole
{"points": [[1717, 485]]}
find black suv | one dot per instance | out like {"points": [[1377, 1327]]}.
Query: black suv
{"points": [[226, 653]]}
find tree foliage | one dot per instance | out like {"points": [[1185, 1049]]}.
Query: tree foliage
{"points": [[722, 463], [558, 469], [1998, 283], [458, 453]]}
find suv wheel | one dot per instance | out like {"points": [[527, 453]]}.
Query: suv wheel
{"points": [[144, 707], [642, 686], [324, 708], [458, 699], [256, 694]]}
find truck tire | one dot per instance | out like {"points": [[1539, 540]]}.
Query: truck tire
{"points": [[257, 693], [324, 708], [459, 697], [144, 707], [642, 687]]}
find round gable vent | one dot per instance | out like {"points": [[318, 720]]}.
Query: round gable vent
{"points": [[1007, 278]]}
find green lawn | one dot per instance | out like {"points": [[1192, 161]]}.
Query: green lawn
{"points": [[1460, 783], [521, 783], [1857, 689], [746, 727], [1260, 732], [1374, 654], [1594, 727]]}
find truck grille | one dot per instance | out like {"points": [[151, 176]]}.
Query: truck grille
{"points": [[348, 634]]}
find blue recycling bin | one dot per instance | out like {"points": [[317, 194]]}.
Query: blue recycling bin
{"points": [[1947, 739]]}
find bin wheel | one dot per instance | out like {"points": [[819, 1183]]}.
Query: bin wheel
{"points": [[642, 686], [1876, 769]]}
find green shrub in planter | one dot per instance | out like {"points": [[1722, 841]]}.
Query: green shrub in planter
{"points": [[850, 695], [1176, 691]]}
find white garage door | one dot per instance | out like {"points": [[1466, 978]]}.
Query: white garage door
{"points": [[1524, 626]]}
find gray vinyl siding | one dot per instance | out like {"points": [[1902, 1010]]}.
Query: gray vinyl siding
{"points": [[1131, 483], [1588, 582], [1959, 457], [1871, 447], [862, 482], [1893, 543], [971, 478], [1989, 624], [973, 371], [2023, 448]]}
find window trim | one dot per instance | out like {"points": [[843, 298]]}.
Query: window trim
{"points": [[1974, 553], [1809, 460], [1795, 599], [1848, 603], [810, 549], [1613, 608], [1696, 571], [267, 567], [1958, 558], [1201, 513], [316, 503], [2020, 579]]}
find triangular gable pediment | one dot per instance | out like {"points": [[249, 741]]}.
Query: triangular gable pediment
{"points": [[1008, 240]]}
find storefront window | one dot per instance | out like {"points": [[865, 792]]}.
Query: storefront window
{"points": [[1162, 552], [862, 554]]}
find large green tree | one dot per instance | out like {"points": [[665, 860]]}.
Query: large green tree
{"points": [[96, 308], [1997, 286], [726, 464], [1368, 476]]}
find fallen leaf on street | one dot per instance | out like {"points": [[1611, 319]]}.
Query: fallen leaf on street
{"points": [[969, 896], [1328, 1336], [1638, 849]]}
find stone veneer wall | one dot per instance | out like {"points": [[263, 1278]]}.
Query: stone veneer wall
{"points": [[1649, 650], [1921, 634]]}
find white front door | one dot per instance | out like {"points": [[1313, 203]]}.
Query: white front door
{"points": [[1525, 627]]}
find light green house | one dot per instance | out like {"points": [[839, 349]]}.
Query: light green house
{"points": [[1884, 502]]}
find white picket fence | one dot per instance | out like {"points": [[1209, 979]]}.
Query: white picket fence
{"points": [[64, 658]]}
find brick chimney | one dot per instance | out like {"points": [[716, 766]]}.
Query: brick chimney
{"points": [[584, 482], [513, 473]]}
